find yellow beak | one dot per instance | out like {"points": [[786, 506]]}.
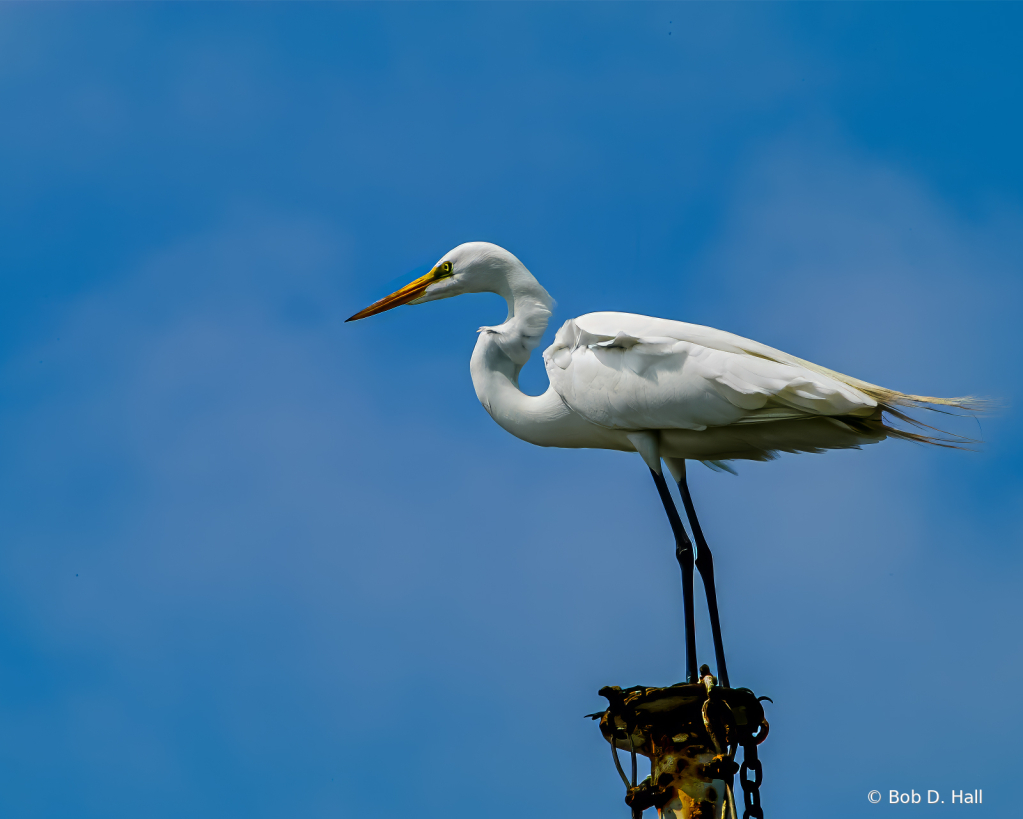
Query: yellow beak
{"points": [[410, 292]]}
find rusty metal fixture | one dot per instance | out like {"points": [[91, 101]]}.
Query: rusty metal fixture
{"points": [[690, 733]]}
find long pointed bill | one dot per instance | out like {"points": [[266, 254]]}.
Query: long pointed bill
{"points": [[410, 292]]}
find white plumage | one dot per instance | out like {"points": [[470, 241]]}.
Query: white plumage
{"points": [[668, 390], [625, 371], [663, 388]]}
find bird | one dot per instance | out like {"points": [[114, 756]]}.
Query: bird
{"points": [[667, 390]]}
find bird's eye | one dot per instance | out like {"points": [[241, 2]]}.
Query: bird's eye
{"points": [[445, 269]]}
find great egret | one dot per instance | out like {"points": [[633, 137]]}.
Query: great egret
{"points": [[667, 390]]}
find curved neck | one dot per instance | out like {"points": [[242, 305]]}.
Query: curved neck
{"points": [[544, 420], [501, 351], [529, 311]]}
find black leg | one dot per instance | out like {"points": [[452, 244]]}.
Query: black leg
{"points": [[684, 554], [705, 565]]}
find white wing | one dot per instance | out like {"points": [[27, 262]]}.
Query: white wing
{"points": [[625, 371]]}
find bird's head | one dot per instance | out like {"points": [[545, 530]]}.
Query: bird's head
{"points": [[475, 267]]}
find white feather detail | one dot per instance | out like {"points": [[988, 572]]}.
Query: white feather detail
{"points": [[624, 371]]}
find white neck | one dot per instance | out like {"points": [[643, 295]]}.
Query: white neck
{"points": [[529, 311], [501, 351]]}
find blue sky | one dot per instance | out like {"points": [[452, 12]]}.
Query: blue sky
{"points": [[257, 562]]}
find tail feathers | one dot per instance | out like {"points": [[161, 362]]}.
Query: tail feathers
{"points": [[929, 434], [888, 401], [889, 398]]}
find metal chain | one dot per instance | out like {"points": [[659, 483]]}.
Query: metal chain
{"points": [[751, 787]]}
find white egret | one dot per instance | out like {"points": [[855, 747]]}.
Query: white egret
{"points": [[667, 390]]}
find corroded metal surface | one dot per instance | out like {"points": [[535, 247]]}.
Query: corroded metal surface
{"points": [[690, 733]]}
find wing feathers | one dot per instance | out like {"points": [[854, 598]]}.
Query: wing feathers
{"points": [[625, 371]]}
